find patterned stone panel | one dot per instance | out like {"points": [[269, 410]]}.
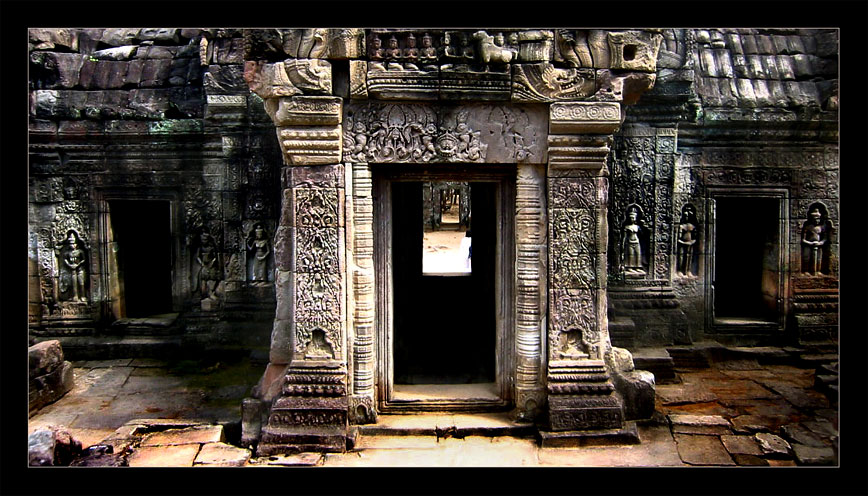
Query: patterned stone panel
{"points": [[317, 250], [574, 193], [317, 207], [318, 307], [573, 329], [546, 83]]}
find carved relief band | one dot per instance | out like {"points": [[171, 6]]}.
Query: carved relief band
{"points": [[418, 133]]}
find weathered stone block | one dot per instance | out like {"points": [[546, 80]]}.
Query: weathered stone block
{"points": [[741, 445], [51, 386], [637, 390], [47, 39], [44, 357], [811, 455], [117, 53], [221, 455], [160, 34], [53, 446], [120, 36], [155, 72], [772, 445], [577, 412], [164, 456], [224, 80]]}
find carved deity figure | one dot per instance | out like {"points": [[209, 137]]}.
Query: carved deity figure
{"points": [[209, 270], [260, 248], [815, 237], [73, 274], [631, 244], [686, 242], [411, 54], [393, 54], [428, 54], [378, 54]]}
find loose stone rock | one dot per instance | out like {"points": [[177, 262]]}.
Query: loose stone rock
{"points": [[772, 445], [801, 435]]}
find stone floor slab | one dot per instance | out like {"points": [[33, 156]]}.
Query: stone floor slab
{"points": [[810, 455], [702, 450], [94, 364], [798, 433], [758, 423], [802, 398], [149, 362], [396, 442], [677, 394], [296, 460], [749, 460], [188, 435], [164, 456], [741, 445], [222, 455], [100, 381]]}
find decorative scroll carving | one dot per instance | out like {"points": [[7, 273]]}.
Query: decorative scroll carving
{"points": [[310, 145], [574, 193], [317, 250], [546, 83], [732, 175], [316, 207], [572, 240], [585, 117]]}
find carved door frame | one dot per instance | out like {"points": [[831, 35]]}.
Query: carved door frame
{"points": [[108, 280], [782, 196], [504, 177]]}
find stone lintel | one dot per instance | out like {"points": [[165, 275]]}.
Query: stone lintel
{"points": [[302, 110]]}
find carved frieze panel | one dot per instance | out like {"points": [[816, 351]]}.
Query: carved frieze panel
{"points": [[546, 83], [358, 79], [317, 250], [808, 159], [304, 110], [753, 176], [573, 230], [316, 207], [418, 133]]}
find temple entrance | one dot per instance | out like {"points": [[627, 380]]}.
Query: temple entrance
{"points": [[747, 260], [142, 250], [445, 332]]}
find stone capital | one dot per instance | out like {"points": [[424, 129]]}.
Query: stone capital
{"points": [[584, 117], [302, 110], [288, 78]]}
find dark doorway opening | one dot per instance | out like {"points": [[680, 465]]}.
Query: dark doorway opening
{"points": [[141, 231], [747, 253], [444, 324]]}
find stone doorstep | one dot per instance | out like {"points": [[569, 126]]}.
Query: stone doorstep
{"points": [[296, 460], [457, 426]]}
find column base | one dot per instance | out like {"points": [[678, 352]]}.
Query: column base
{"points": [[628, 434]]}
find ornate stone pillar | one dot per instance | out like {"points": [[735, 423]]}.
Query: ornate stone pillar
{"points": [[360, 236], [310, 411], [581, 393], [531, 260]]}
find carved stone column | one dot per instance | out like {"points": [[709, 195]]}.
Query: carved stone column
{"points": [[310, 411], [581, 393], [531, 261], [360, 230]]}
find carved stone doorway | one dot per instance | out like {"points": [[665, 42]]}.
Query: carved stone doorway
{"points": [[445, 333], [747, 260], [141, 255]]}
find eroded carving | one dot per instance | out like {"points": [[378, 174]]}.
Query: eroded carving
{"points": [[317, 306], [547, 83], [574, 325], [210, 270]]}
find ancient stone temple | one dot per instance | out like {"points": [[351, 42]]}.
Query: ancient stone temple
{"points": [[412, 221]]}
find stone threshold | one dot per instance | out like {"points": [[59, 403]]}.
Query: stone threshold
{"points": [[444, 425]]}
